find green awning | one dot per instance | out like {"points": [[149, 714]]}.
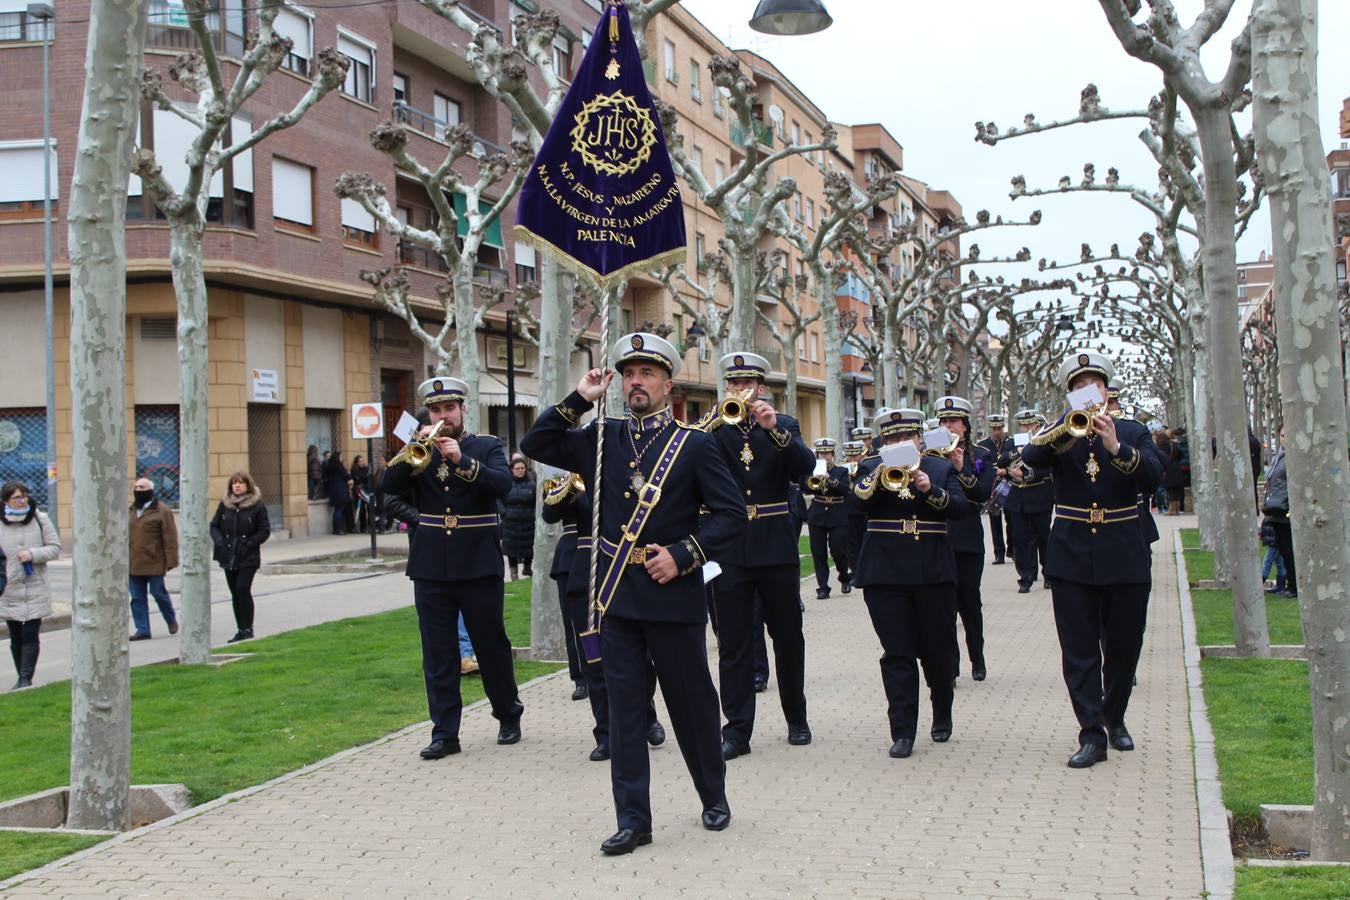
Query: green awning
{"points": [[493, 238]]}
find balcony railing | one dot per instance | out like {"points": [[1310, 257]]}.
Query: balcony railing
{"points": [[19, 26], [410, 254], [166, 29], [762, 134], [432, 127]]}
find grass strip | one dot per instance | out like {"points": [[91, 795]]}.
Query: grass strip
{"points": [[302, 695], [24, 850], [1261, 713], [1190, 539], [1214, 618], [1292, 883], [1199, 566]]}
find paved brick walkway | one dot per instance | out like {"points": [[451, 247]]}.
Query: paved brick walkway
{"points": [[994, 813]]}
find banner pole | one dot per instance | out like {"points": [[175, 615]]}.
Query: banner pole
{"points": [[593, 611]]}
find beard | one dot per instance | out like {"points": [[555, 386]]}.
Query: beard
{"points": [[639, 401]]}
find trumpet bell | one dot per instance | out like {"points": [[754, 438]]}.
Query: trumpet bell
{"points": [[734, 409], [1078, 423], [896, 479]]}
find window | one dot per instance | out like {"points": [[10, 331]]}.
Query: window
{"points": [[815, 347], [626, 320], [157, 446], [23, 450], [562, 57], [697, 159], [360, 79], [497, 353], [358, 226], [719, 172], [292, 194], [796, 134], [400, 88], [299, 27], [586, 36], [700, 246], [448, 113], [668, 56], [811, 154], [21, 179], [230, 192], [321, 433], [17, 25], [810, 213], [718, 103], [797, 207], [1340, 272], [525, 264], [695, 81], [801, 347]]}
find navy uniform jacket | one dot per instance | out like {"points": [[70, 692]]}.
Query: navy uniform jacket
{"points": [[829, 512], [900, 559], [1101, 553], [438, 553], [1146, 523], [996, 453], [780, 457], [852, 505], [699, 477], [1035, 493], [967, 533], [566, 513]]}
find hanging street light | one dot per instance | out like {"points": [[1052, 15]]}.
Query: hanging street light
{"points": [[790, 17]]}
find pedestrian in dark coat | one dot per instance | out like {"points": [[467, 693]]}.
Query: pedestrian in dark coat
{"points": [[1174, 479], [517, 513], [238, 529], [339, 483]]}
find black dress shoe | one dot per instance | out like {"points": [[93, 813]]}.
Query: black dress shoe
{"points": [[1024, 589], [146, 637], [799, 735], [717, 817], [941, 732], [998, 561], [902, 748], [1046, 584], [846, 587], [1120, 738], [761, 685], [580, 692], [509, 732], [732, 749], [439, 748], [625, 840], [656, 734], [978, 671], [822, 593], [1087, 755], [600, 753]]}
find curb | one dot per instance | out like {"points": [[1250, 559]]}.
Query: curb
{"points": [[1216, 848], [227, 799]]}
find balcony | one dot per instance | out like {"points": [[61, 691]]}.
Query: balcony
{"points": [[167, 29], [434, 128], [773, 354], [762, 134]]}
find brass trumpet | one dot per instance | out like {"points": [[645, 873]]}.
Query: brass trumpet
{"points": [[735, 409], [897, 479], [1079, 421], [945, 452], [417, 452], [561, 488], [816, 483]]}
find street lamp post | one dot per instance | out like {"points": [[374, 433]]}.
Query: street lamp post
{"points": [[45, 13]]}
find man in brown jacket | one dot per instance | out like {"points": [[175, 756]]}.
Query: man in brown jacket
{"points": [[154, 551]]}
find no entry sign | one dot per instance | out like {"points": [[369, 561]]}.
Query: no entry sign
{"points": [[367, 421]]}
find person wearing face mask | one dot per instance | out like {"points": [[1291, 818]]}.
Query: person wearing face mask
{"points": [[153, 537], [238, 529], [28, 541]]}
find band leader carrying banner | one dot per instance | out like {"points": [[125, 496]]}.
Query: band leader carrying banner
{"points": [[602, 194]]}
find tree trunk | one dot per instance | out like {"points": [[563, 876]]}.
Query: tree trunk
{"points": [[100, 707], [548, 638], [466, 338], [1236, 505], [741, 335], [1288, 140], [790, 371], [1202, 471], [887, 381], [189, 284], [834, 357]]}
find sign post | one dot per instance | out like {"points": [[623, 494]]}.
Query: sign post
{"points": [[367, 422]]}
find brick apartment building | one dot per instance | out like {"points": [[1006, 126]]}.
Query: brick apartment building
{"points": [[294, 338]]}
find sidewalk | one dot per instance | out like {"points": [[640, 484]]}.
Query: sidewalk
{"points": [[993, 813]]}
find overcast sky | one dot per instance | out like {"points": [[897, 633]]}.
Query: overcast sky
{"points": [[929, 70]]}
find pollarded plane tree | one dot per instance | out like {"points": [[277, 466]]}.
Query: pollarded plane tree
{"points": [[787, 290], [219, 136], [913, 293], [696, 296], [749, 201], [1176, 148]]}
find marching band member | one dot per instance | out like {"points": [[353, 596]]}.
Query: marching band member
{"points": [[455, 562], [827, 520], [997, 445], [853, 511], [908, 576], [764, 452], [1099, 562], [1028, 507], [975, 470], [651, 546], [560, 505]]}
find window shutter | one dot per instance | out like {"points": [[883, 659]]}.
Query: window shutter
{"points": [[292, 191]]}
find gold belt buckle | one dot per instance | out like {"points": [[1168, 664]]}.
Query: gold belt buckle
{"points": [[1097, 516], [638, 556], [752, 512], [909, 526], [451, 523]]}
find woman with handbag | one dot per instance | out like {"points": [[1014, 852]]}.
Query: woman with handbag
{"points": [[238, 528], [28, 541]]}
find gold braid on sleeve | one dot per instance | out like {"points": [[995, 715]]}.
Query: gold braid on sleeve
{"points": [[467, 471], [1126, 466]]}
